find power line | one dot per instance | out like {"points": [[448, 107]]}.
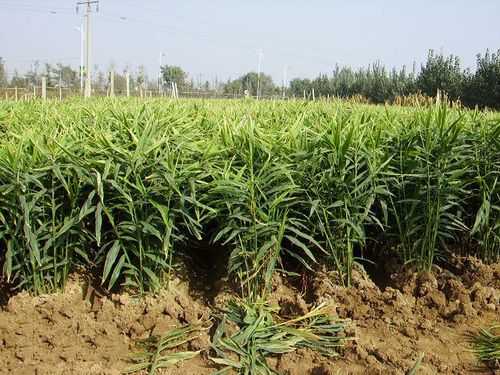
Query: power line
{"points": [[194, 34], [182, 32], [48, 59], [212, 40], [34, 8], [35, 11], [23, 2]]}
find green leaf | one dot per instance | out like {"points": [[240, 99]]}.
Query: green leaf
{"points": [[98, 223], [110, 260], [116, 271]]}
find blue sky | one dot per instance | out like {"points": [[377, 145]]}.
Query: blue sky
{"points": [[221, 37]]}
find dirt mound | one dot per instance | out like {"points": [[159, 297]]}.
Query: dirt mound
{"points": [[430, 313], [471, 270], [68, 334]]}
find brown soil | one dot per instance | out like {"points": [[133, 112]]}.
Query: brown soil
{"points": [[66, 333], [433, 313]]}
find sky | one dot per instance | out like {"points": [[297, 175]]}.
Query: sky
{"points": [[221, 38]]}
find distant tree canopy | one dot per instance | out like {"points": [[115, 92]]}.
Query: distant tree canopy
{"points": [[60, 74], [250, 82], [482, 88], [174, 74], [17, 80], [379, 84], [374, 82], [441, 73]]}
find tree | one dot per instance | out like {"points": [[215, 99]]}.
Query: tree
{"points": [[250, 82], [343, 82], [174, 74], [322, 85], [51, 75], [483, 87], [100, 82], [375, 83], [141, 77], [441, 73], [33, 77], [18, 81], [299, 86], [69, 77]]}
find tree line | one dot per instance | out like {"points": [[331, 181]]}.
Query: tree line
{"points": [[376, 83], [478, 87], [61, 75]]}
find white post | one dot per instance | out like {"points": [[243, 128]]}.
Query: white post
{"points": [[112, 83], [60, 86], [285, 71], [258, 72], [314, 97], [15, 92], [44, 88], [127, 78]]}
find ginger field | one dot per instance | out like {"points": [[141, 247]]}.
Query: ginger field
{"points": [[252, 237]]}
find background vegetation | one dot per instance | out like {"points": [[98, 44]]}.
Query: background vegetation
{"points": [[378, 84], [375, 83]]}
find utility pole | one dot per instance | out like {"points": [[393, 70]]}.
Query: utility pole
{"points": [[88, 43], [259, 67]]}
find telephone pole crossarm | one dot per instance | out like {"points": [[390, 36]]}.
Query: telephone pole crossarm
{"points": [[88, 3]]}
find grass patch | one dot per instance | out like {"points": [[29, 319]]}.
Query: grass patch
{"points": [[249, 333], [158, 352], [487, 346]]}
